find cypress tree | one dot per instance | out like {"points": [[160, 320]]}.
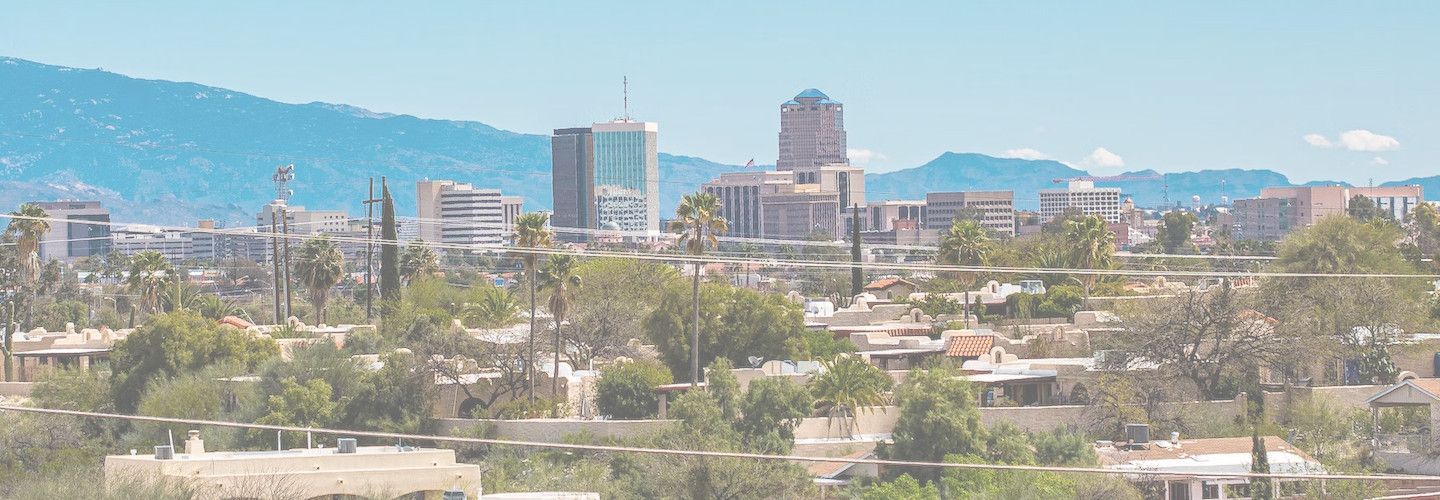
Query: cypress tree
{"points": [[857, 275], [1260, 488], [389, 248]]}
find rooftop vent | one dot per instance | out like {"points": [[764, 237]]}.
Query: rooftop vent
{"points": [[165, 452], [345, 445]]}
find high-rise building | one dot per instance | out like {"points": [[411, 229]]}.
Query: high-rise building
{"points": [[460, 214], [301, 221], [884, 215], [1082, 196], [627, 176], [812, 131], [572, 174], [510, 209], [1278, 210], [739, 195], [846, 181], [996, 209], [67, 241]]}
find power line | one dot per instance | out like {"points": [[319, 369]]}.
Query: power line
{"points": [[717, 454], [838, 264]]}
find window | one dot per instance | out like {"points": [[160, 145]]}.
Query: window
{"points": [[1210, 490]]}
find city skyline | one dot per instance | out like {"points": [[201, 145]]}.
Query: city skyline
{"points": [[1330, 95]]}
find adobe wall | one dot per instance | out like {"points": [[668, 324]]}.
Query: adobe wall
{"points": [[555, 430]]}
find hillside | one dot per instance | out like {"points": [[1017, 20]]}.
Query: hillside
{"points": [[179, 151]]}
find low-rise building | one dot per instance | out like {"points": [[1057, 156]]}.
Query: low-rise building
{"points": [[1082, 196], [1279, 210], [345, 470], [1209, 456], [87, 236], [995, 209]]}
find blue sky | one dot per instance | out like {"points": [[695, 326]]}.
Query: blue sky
{"points": [[1110, 86]]}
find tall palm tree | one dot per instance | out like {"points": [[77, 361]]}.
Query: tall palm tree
{"points": [[848, 384], [490, 307], [149, 272], [699, 223], [964, 244], [560, 278], [532, 231], [418, 260], [27, 226], [1092, 246], [320, 268]]}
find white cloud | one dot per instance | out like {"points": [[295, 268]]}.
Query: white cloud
{"points": [[1355, 140], [1102, 157], [1318, 141], [861, 156], [1365, 140], [1024, 154], [1379, 162]]}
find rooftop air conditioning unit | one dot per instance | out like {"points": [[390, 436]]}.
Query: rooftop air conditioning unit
{"points": [[165, 452], [1138, 435], [345, 445]]}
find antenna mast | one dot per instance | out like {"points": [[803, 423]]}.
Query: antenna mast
{"points": [[625, 97], [282, 177]]}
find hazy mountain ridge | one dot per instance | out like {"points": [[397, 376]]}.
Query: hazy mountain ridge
{"points": [[171, 152]]}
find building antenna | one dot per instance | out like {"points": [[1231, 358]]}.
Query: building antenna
{"points": [[625, 98]]}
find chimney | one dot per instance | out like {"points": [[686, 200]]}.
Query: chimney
{"points": [[1175, 438], [194, 445]]}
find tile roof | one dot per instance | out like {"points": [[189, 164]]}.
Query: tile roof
{"points": [[884, 283], [969, 346]]}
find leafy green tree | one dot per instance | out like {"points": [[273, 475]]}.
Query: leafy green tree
{"points": [[938, 417], [964, 244], [389, 247], [699, 223], [299, 404], [1364, 209], [203, 395], [1174, 233], [560, 279], [1061, 447], [724, 386], [626, 390], [173, 344], [737, 323], [771, 410], [532, 232], [819, 345], [418, 260], [1008, 444], [848, 385], [904, 487], [611, 308], [320, 268]]}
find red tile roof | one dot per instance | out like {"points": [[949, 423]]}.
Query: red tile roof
{"points": [[884, 283], [969, 346]]}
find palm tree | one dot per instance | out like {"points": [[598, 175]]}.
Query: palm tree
{"points": [[699, 223], [149, 272], [964, 244], [27, 226], [560, 278], [320, 268], [1092, 246], [532, 231], [491, 307], [418, 260], [848, 384]]}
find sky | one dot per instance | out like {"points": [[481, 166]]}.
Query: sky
{"points": [[1319, 90]]}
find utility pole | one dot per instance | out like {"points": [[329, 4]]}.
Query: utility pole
{"points": [[370, 251], [275, 262], [285, 225]]}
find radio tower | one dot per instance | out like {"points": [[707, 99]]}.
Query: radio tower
{"points": [[283, 175]]}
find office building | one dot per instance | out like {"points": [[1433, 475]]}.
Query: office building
{"points": [[846, 181], [800, 211], [1279, 210], [572, 171], [68, 241], [882, 215], [460, 214], [812, 131], [627, 176], [995, 209], [1082, 196], [301, 221], [739, 195], [175, 245]]}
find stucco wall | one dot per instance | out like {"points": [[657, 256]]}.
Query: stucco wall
{"points": [[555, 430]]}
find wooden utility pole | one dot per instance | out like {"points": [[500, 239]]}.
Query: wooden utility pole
{"points": [[370, 251]]}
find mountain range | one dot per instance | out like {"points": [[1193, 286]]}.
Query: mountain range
{"points": [[172, 152]]}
